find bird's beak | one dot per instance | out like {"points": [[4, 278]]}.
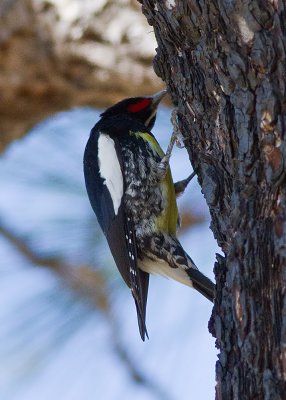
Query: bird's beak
{"points": [[157, 97]]}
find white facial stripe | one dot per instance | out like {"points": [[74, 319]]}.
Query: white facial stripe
{"points": [[109, 169]]}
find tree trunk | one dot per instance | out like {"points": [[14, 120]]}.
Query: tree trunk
{"points": [[224, 65]]}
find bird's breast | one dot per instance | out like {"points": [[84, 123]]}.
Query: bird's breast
{"points": [[151, 202]]}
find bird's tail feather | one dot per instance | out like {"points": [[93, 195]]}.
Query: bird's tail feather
{"points": [[201, 283]]}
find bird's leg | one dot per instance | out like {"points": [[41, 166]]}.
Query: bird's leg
{"points": [[180, 186], [164, 163]]}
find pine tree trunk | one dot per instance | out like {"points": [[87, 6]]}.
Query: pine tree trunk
{"points": [[224, 65]]}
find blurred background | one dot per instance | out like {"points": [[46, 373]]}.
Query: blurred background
{"points": [[68, 326]]}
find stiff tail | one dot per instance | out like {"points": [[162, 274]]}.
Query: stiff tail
{"points": [[201, 283], [173, 262], [188, 275]]}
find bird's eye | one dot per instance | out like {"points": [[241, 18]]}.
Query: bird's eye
{"points": [[139, 105]]}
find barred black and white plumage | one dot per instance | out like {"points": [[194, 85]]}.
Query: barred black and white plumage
{"points": [[134, 203]]}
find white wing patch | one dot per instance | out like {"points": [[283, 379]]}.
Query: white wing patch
{"points": [[110, 170]]}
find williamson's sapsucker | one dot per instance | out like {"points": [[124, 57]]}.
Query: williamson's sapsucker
{"points": [[131, 191]]}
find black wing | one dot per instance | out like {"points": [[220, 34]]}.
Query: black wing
{"points": [[118, 228]]}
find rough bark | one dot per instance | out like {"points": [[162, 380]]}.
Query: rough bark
{"points": [[224, 65]]}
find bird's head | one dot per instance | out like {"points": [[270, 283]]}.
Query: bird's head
{"points": [[142, 109]]}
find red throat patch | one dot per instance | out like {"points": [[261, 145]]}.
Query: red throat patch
{"points": [[140, 105]]}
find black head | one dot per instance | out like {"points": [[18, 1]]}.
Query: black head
{"points": [[142, 109]]}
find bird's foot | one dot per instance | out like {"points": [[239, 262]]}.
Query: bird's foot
{"points": [[164, 163]]}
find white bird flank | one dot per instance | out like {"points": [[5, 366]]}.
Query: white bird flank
{"points": [[110, 170]]}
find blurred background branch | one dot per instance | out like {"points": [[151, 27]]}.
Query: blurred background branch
{"points": [[89, 284], [58, 54]]}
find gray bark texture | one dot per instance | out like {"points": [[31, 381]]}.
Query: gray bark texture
{"points": [[224, 65]]}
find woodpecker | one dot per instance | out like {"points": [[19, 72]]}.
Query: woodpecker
{"points": [[131, 191]]}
